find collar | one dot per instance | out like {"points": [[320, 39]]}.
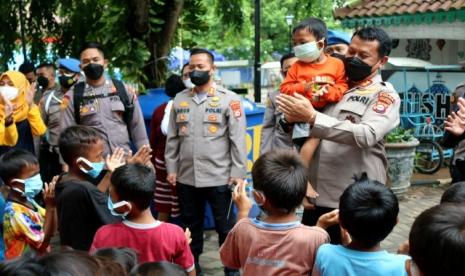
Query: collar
{"points": [[210, 93], [141, 226], [274, 226], [367, 85]]}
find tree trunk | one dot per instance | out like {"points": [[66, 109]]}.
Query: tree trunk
{"points": [[160, 43]]}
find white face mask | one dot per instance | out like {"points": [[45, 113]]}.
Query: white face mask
{"points": [[308, 52], [9, 92], [188, 83]]}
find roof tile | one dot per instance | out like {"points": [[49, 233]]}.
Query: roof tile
{"points": [[368, 8]]}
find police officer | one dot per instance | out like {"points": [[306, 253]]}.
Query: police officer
{"points": [[352, 130], [337, 43], [205, 150], [456, 141], [273, 136], [69, 74], [104, 104]]}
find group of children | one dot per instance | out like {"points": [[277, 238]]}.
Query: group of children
{"points": [[100, 203]]}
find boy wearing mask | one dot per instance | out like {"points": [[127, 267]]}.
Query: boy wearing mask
{"points": [[81, 205]]}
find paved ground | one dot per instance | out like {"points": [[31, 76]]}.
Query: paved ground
{"points": [[418, 198]]}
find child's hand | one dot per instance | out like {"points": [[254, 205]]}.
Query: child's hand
{"points": [[188, 235], [239, 195], [49, 192], [142, 156], [328, 219], [116, 160], [322, 90]]}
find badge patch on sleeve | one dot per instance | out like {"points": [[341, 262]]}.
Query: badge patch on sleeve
{"points": [[64, 103], [236, 108], [383, 103]]}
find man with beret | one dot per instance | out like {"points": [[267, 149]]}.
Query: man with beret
{"points": [[337, 44], [68, 74]]}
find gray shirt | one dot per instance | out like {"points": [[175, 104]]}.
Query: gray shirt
{"points": [[205, 144], [51, 115], [352, 133], [273, 136], [106, 116]]}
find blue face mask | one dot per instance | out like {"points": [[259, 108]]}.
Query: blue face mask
{"points": [[112, 206], [97, 167], [32, 186]]}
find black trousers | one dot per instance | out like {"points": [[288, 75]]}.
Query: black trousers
{"points": [[49, 162], [192, 204], [310, 218]]}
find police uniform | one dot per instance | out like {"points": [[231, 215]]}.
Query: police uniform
{"points": [[105, 114], [49, 153], [205, 146], [457, 167], [352, 133], [273, 136]]}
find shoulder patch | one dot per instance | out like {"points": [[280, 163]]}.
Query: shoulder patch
{"points": [[383, 102], [64, 103], [236, 108]]}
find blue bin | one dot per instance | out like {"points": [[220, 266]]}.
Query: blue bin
{"points": [[254, 115]]}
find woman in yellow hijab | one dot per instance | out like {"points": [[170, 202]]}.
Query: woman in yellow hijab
{"points": [[20, 118]]}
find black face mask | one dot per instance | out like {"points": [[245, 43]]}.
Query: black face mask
{"points": [[356, 69], [199, 78], [66, 81], [42, 82], [93, 71], [339, 56]]}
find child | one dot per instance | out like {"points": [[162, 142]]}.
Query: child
{"points": [[318, 77], [455, 193], [368, 210], [279, 244], [26, 225], [131, 192], [158, 269], [126, 257], [437, 241], [82, 206]]}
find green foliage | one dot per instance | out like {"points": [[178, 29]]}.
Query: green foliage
{"points": [[133, 32], [400, 135], [238, 43]]}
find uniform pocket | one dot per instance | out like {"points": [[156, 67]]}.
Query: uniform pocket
{"points": [[353, 110], [182, 124], [213, 124], [117, 108]]}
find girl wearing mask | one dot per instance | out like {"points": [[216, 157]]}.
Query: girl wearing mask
{"points": [[24, 120]]}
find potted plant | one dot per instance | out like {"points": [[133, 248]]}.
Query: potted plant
{"points": [[400, 152]]}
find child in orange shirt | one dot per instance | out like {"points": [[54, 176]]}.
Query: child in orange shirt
{"points": [[318, 77]]}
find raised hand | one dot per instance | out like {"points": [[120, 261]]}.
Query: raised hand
{"points": [[49, 192], [142, 156], [455, 124], [116, 160]]}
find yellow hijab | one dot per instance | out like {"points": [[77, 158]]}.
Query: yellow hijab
{"points": [[21, 106]]}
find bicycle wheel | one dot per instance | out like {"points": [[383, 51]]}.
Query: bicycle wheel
{"points": [[428, 157]]}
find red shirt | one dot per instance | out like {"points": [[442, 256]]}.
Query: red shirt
{"points": [[153, 242]]}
